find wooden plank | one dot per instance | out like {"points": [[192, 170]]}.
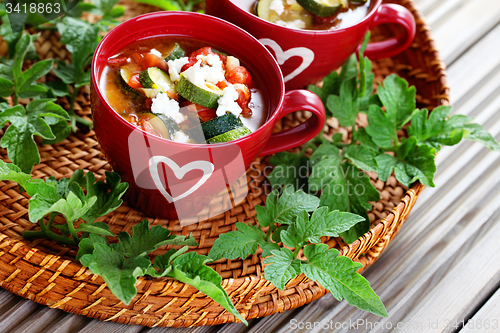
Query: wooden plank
{"points": [[456, 33], [487, 319], [473, 69], [109, 327]]}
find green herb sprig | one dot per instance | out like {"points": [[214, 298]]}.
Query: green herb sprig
{"points": [[119, 264], [184, 5], [290, 224], [336, 170]]}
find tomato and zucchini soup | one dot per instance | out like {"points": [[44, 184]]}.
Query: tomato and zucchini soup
{"points": [[308, 14], [184, 91]]}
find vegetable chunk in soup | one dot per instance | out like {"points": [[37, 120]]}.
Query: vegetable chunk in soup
{"points": [[308, 14], [184, 91]]}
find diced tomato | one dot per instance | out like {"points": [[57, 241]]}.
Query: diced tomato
{"points": [[151, 60], [207, 114], [204, 50], [222, 84], [239, 75], [147, 127], [132, 119], [324, 20], [243, 99], [137, 58], [134, 82], [191, 62], [148, 103], [117, 62]]}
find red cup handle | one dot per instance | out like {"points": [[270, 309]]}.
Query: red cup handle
{"points": [[297, 100], [391, 13]]}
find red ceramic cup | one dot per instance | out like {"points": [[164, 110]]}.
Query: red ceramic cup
{"points": [[306, 56], [175, 180]]}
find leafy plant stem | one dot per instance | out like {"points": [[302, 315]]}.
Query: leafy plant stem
{"points": [[72, 231], [51, 220], [16, 99], [297, 250], [46, 233], [74, 117]]}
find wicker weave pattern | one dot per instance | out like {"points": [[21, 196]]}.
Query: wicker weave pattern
{"points": [[47, 273]]}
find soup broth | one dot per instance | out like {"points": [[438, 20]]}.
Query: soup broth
{"points": [[184, 91], [295, 16]]}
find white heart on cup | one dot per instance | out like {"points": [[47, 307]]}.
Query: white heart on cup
{"points": [[179, 172], [306, 54]]}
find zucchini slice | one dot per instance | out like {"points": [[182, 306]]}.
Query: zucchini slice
{"points": [[264, 12], [231, 135], [322, 8], [207, 96], [176, 53], [125, 76], [220, 125], [155, 78], [169, 123]]}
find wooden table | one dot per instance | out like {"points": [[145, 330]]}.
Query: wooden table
{"points": [[442, 271]]}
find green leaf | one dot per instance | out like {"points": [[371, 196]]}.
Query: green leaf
{"points": [[65, 72], [108, 194], [365, 140], [398, 99], [6, 87], [362, 157], [331, 86], [290, 169], [475, 132], [22, 48], [238, 243], [381, 128], [163, 4], [59, 127], [164, 262], [410, 163], [81, 39], [435, 130], [284, 266], [344, 107], [338, 275], [268, 248], [321, 223], [86, 245], [145, 240], [189, 268], [27, 79], [120, 277], [25, 123], [98, 228], [71, 207], [12, 172], [345, 188], [283, 209]]}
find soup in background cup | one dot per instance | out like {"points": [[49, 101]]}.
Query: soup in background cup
{"points": [[170, 179], [306, 56]]}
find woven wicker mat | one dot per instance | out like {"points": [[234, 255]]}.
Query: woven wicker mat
{"points": [[47, 273]]}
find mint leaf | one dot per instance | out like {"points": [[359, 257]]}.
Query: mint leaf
{"points": [[238, 243], [120, 276], [321, 223], [268, 248], [189, 268], [283, 209], [331, 86], [25, 123], [164, 262], [290, 169], [108, 194], [284, 266], [398, 99], [338, 275], [410, 163], [145, 240], [26, 86], [86, 245], [344, 107]]}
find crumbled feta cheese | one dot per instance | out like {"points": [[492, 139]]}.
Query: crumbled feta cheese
{"points": [[175, 66], [297, 24], [181, 137], [213, 74], [195, 74], [277, 6], [169, 107], [228, 102], [156, 52]]}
